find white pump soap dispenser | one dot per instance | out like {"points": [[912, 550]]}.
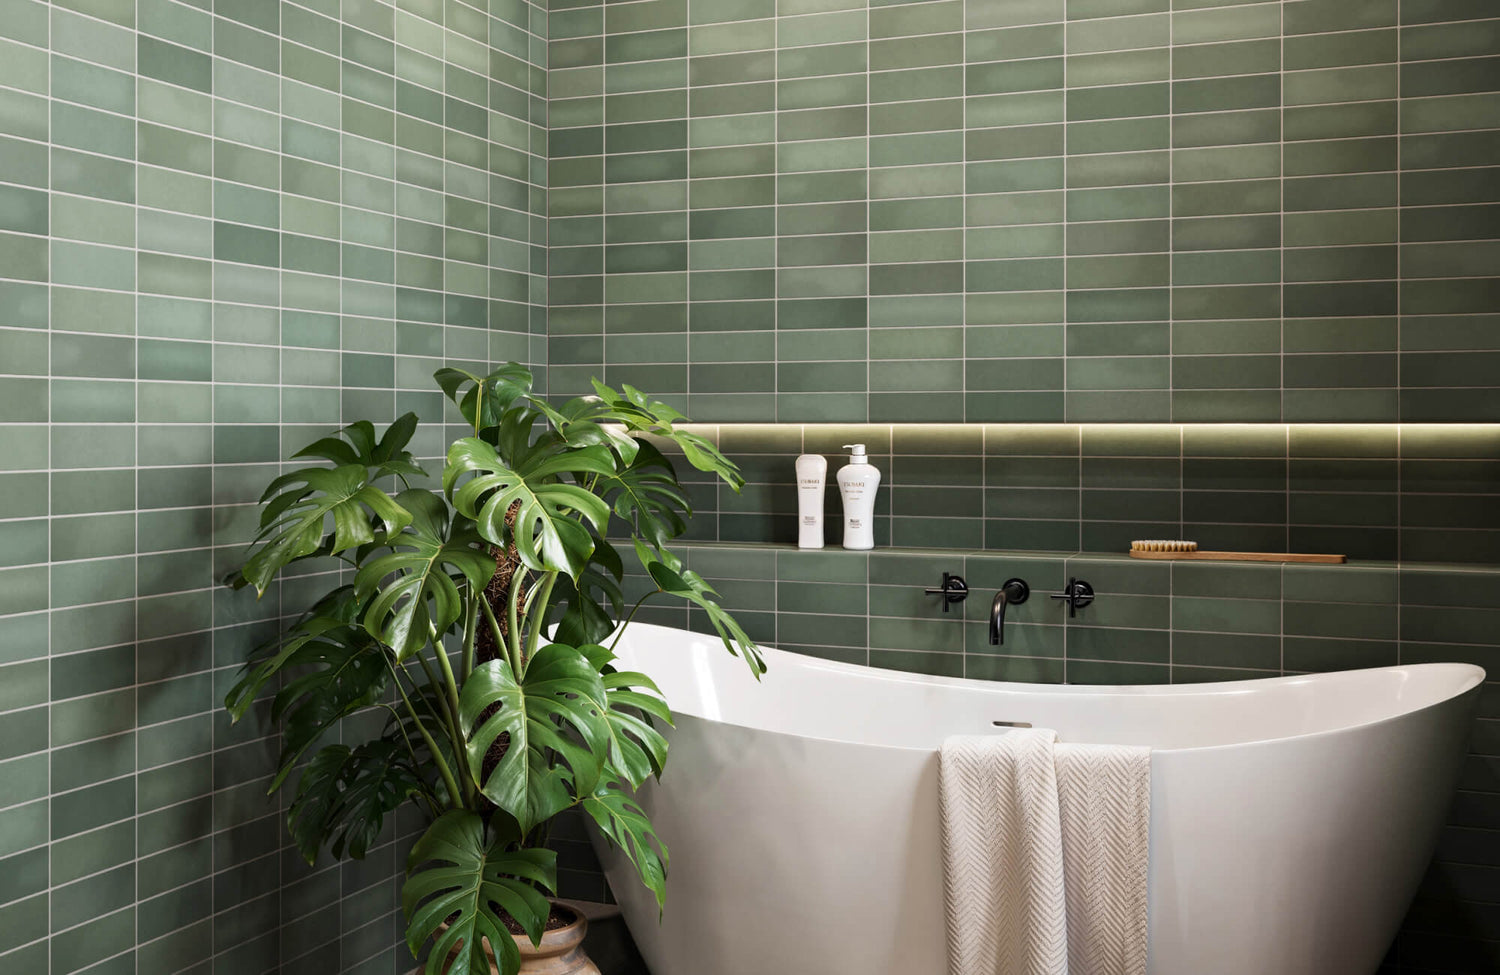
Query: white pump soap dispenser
{"points": [[858, 482]]}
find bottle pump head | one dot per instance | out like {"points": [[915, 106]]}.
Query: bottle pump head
{"points": [[858, 453]]}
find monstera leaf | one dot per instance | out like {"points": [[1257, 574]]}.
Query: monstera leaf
{"points": [[638, 412], [482, 401], [339, 672], [647, 495], [416, 585], [558, 733], [621, 818], [344, 795], [546, 537], [293, 525], [587, 421], [636, 748], [667, 572], [299, 505], [387, 456], [337, 608], [456, 876], [583, 618]]}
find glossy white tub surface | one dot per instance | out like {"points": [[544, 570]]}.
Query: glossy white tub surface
{"points": [[1291, 818]]}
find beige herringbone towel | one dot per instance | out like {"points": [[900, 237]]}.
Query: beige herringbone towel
{"points": [[1104, 798], [1003, 855], [1045, 851]]}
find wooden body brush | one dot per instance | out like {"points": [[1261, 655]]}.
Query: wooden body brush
{"points": [[1166, 549]]}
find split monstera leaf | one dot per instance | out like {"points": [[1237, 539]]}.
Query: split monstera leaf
{"points": [[431, 634]]}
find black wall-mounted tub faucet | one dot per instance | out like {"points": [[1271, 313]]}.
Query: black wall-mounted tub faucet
{"points": [[1014, 591]]}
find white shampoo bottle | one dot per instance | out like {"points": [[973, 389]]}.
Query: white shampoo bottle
{"points": [[858, 482], [812, 475]]}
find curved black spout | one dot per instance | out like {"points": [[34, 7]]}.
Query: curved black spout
{"points": [[1014, 591]]}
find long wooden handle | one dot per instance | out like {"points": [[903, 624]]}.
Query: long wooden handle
{"points": [[1242, 557]]}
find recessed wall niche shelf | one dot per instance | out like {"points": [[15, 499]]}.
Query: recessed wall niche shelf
{"points": [[1417, 492]]}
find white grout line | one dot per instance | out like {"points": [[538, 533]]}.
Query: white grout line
{"points": [[51, 460]]}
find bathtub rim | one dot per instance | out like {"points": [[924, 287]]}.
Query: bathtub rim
{"points": [[1476, 677]]}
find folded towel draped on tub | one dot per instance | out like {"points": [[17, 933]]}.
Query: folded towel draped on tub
{"points": [[1044, 854]]}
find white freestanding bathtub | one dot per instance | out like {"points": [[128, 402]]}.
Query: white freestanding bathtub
{"points": [[1291, 818]]}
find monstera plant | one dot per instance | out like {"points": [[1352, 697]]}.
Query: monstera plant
{"points": [[441, 628]]}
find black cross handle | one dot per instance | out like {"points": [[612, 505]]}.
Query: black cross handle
{"points": [[954, 590], [1078, 595]]}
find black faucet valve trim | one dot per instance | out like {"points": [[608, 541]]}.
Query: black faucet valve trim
{"points": [[1078, 595], [953, 590]]}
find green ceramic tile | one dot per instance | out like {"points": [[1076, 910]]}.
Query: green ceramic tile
{"points": [[822, 630], [1227, 650], [1246, 581], [26, 874], [1147, 30], [1226, 615], [1124, 101], [1119, 67], [173, 63], [1314, 654], [23, 211]]}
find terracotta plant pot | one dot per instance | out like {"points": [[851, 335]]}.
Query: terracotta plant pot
{"points": [[560, 953]]}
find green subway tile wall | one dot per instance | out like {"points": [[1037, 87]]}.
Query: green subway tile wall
{"points": [[1029, 210], [1261, 234], [229, 225], [225, 227]]}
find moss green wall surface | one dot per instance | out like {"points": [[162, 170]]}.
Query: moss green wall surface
{"points": [[815, 222], [225, 228], [1029, 210]]}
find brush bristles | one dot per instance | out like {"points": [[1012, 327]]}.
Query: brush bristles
{"points": [[1163, 545]]}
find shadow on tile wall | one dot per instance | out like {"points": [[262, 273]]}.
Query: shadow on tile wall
{"points": [[224, 230]]}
